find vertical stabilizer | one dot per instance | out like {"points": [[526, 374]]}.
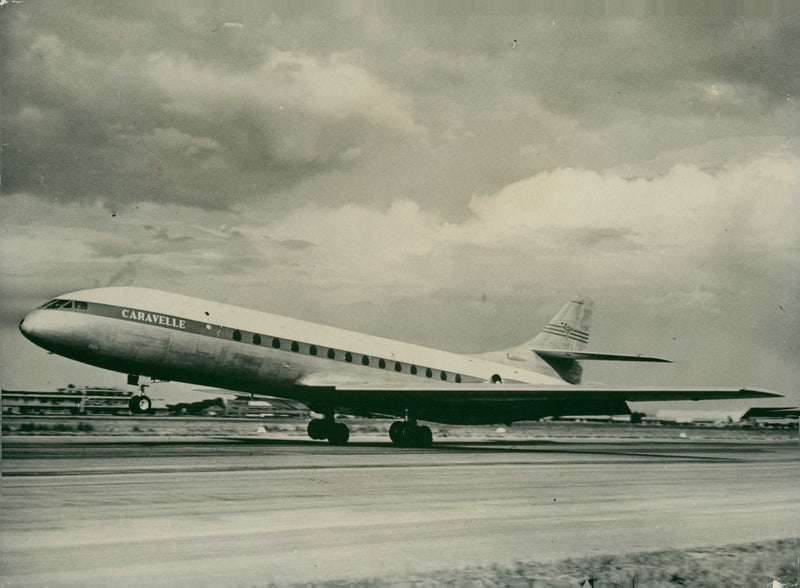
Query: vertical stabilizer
{"points": [[568, 329]]}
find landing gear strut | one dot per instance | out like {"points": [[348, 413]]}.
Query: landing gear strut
{"points": [[327, 428], [410, 434]]}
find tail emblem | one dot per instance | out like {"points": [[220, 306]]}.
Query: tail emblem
{"points": [[566, 328]]}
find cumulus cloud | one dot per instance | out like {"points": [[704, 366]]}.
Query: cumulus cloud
{"points": [[750, 206]]}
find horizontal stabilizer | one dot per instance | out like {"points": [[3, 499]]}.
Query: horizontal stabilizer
{"points": [[586, 355]]}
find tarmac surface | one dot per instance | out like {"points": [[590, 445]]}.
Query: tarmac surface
{"points": [[147, 511]]}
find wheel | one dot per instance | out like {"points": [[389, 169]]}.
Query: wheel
{"points": [[417, 436], [143, 404], [133, 404], [339, 434], [396, 432], [317, 429], [424, 437]]}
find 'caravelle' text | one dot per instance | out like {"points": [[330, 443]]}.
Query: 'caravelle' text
{"points": [[151, 317]]}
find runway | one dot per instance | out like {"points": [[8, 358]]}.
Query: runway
{"points": [[255, 512]]}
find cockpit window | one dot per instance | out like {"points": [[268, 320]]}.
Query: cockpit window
{"points": [[64, 304]]}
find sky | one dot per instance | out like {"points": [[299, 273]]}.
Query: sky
{"points": [[443, 174]]}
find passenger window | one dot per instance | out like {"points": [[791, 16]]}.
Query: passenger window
{"points": [[398, 366], [428, 373], [496, 379], [458, 378], [443, 375], [237, 335], [295, 346], [381, 363], [312, 350], [331, 354], [257, 339], [365, 360], [348, 357], [414, 370], [276, 343]]}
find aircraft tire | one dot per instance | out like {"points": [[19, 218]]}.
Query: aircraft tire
{"points": [[424, 437], [416, 436], [317, 429], [396, 432], [143, 404], [133, 405], [339, 434]]}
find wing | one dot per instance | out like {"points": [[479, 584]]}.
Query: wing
{"points": [[449, 402], [521, 392]]}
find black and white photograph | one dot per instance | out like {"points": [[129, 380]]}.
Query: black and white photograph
{"points": [[399, 293]]}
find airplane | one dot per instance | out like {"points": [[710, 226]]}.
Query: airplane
{"points": [[144, 332]]}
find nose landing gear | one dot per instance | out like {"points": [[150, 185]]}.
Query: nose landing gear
{"points": [[139, 403]]}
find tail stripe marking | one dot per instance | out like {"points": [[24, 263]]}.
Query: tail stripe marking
{"points": [[566, 331], [565, 327]]}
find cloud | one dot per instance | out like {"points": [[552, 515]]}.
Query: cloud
{"points": [[334, 89], [686, 231], [686, 207], [162, 126]]}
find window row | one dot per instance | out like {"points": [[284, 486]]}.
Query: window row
{"points": [[347, 356]]}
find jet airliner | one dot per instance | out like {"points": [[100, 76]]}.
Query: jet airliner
{"points": [[149, 333]]}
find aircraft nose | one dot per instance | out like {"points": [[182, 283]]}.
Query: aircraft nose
{"points": [[33, 325]]}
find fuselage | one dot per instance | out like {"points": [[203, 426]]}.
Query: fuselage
{"points": [[174, 337]]}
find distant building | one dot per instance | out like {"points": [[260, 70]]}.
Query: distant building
{"points": [[70, 400]]}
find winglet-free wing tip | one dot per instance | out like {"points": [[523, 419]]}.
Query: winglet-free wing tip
{"points": [[753, 393]]}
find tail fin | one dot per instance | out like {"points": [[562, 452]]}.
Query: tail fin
{"points": [[568, 330], [559, 347]]}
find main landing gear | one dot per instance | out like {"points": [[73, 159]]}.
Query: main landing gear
{"points": [[402, 433], [327, 428], [410, 434]]}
